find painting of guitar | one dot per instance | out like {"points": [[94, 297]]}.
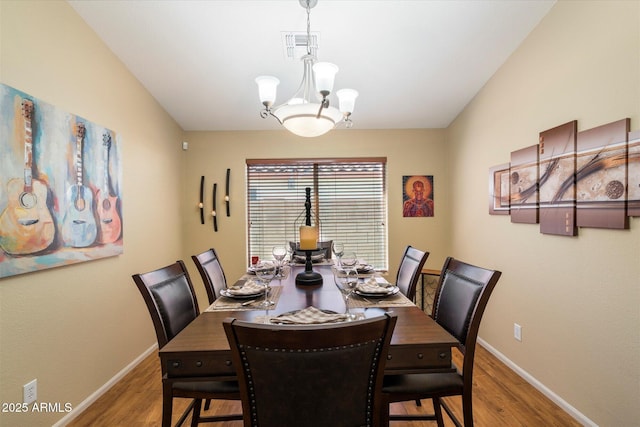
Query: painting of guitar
{"points": [[26, 224], [79, 228], [109, 223]]}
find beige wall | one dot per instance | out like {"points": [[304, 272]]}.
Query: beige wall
{"points": [[74, 328], [414, 152], [577, 299]]}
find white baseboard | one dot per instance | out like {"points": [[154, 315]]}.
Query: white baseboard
{"points": [[577, 415], [77, 410]]}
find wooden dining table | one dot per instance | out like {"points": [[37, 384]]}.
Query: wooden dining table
{"points": [[201, 349]]}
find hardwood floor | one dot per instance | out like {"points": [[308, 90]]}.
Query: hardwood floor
{"points": [[500, 398]]}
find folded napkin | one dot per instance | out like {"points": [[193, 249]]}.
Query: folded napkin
{"points": [[308, 316], [374, 285], [248, 288], [364, 267]]}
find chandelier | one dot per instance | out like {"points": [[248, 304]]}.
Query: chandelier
{"points": [[308, 112]]}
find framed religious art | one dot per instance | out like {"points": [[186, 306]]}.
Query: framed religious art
{"points": [[417, 196]]}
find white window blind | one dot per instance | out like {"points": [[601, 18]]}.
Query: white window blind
{"points": [[349, 195]]}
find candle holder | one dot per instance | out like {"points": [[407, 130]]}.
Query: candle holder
{"points": [[308, 277], [308, 244]]}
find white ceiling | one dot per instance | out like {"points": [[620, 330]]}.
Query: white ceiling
{"points": [[416, 64]]}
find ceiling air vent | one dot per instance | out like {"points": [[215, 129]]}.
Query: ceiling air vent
{"points": [[295, 44]]}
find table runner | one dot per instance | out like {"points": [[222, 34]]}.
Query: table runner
{"points": [[230, 304]]}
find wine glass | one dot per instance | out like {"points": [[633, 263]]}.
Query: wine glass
{"points": [[346, 280], [266, 271], [338, 250], [289, 249], [279, 252], [349, 261]]}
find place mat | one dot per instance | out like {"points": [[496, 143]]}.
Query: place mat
{"points": [[397, 300], [230, 304], [309, 316]]}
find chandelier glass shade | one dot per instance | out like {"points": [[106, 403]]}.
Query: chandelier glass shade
{"points": [[308, 112]]}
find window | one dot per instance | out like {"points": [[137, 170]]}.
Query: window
{"points": [[349, 195]]}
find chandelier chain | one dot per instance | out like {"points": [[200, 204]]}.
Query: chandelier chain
{"points": [[308, 28]]}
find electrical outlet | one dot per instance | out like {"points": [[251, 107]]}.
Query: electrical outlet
{"points": [[517, 332], [30, 392]]}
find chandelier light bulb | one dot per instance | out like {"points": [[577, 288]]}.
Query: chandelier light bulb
{"points": [[267, 87], [325, 74], [347, 100]]}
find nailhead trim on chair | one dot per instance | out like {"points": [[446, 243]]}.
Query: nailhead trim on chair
{"points": [[245, 363]]}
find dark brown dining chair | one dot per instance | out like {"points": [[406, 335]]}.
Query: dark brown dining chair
{"points": [[172, 304], [214, 280], [310, 375], [211, 271], [460, 299], [409, 271]]}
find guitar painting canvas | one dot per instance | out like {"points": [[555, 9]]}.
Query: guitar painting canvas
{"points": [[79, 223], [60, 187], [109, 222], [26, 225]]}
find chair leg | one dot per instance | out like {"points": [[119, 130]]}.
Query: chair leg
{"points": [[467, 409], [418, 402], [185, 414], [437, 411], [195, 415], [167, 404], [207, 404], [383, 416], [468, 422]]}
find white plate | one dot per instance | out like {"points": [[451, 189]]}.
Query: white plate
{"points": [[392, 291], [226, 293]]}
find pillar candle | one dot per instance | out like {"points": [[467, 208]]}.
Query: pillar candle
{"points": [[308, 237]]}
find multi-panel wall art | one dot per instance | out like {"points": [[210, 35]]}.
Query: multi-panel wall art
{"points": [[499, 187], [633, 171], [60, 187], [523, 191], [557, 171], [601, 178], [571, 179]]}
